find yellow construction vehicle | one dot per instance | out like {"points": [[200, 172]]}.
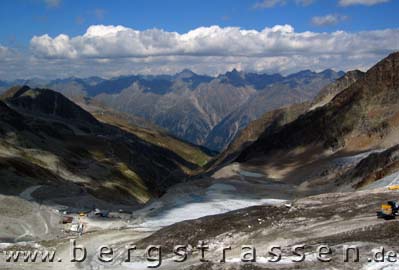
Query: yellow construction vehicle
{"points": [[388, 210]]}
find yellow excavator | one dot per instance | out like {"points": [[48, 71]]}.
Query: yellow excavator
{"points": [[389, 210]]}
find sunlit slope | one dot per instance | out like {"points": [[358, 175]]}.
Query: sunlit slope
{"points": [[48, 140]]}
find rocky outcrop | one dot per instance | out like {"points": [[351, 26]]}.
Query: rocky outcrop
{"points": [[358, 118]]}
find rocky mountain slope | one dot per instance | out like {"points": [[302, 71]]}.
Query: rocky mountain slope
{"points": [[271, 121], [195, 154], [330, 91], [186, 113], [318, 148], [293, 89], [212, 112], [49, 142], [267, 123], [361, 117]]}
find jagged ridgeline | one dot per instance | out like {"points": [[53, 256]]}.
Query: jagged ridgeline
{"points": [[200, 109]]}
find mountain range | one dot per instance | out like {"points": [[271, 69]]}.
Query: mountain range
{"points": [[339, 152], [362, 116], [200, 109], [269, 122], [314, 171], [344, 139]]}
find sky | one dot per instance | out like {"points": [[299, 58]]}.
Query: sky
{"points": [[62, 38]]}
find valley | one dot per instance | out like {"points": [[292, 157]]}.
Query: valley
{"points": [[203, 110], [309, 174], [199, 135], [269, 213]]}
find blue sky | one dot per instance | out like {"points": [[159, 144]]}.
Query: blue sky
{"points": [[21, 20]]}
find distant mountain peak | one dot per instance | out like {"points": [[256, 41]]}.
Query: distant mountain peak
{"points": [[305, 72], [185, 73], [187, 70], [233, 77], [329, 73], [234, 72]]}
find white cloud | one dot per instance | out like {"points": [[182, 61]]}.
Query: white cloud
{"points": [[329, 19], [59, 47], [5, 53], [118, 50], [361, 2], [272, 3], [268, 3], [101, 41], [263, 4]]}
